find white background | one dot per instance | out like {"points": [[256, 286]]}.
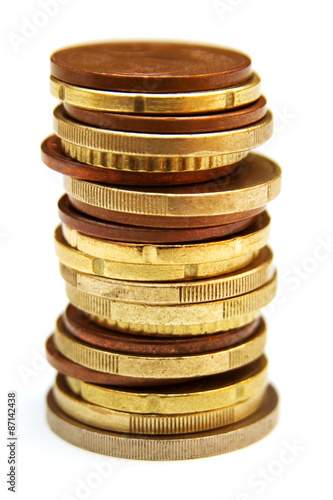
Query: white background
{"points": [[290, 43]]}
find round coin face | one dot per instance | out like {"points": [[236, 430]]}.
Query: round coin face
{"points": [[153, 67]]}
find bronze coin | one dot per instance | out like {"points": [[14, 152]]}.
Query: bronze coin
{"points": [[55, 158], [150, 67], [135, 234], [71, 369], [86, 330], [162, 222], [194, 124]]}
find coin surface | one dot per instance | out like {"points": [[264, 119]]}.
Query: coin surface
{"points": [[68, 367], [96, 146], [183, 319], [238, 196], [181, 124], [55, 158], [196, 445], [134, 423], [249, 278], [139, 366], [174, 103], [81, 327], [140, 234], [108, 268], [153, 66], [205, 394]]}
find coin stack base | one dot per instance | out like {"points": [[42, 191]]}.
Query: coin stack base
{"points": [[163, 250]]}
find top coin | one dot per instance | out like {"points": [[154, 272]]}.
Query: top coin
{"points": [[152, 67]]}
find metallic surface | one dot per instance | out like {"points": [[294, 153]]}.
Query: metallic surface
{"points": [[206, 394], [127, 365], [184, 319], [152, 235], [109, 268], [99, 143], [246, 279], [55, 158], [134, 423], [158, 103], [197, 445], [156, 65], [180, 124], [81, 327], [256, 182]]}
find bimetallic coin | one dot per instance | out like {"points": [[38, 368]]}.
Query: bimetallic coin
{"points": [[172, 447], [135, 423], [205, 394]]}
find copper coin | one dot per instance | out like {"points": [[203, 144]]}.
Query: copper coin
{"points": [[71, 369], [135, 234], [86, 330], [152, 67], [162, 222], [53, 157], [194, 124]]}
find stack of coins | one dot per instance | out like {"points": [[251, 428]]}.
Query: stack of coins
{"points": [[163, 249]]}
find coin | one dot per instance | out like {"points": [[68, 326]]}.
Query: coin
{"points": [[134, 423], [184, 319], [238, 196], [250, 277], [180, 447], [152, 66], [69, 368], [155, 367], [108, 268], [81, 327], [205, 394], [181, 124], [97, 146], [53, 157], [140, 234], [174, 103]]}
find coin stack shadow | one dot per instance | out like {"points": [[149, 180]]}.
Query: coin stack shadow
{"points": [[163, 248]]}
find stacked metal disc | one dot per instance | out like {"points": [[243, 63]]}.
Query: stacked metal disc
{"points": [[163, 249]]}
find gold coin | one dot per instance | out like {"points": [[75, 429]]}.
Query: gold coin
{"points": [[85, 263], [258, 181], [200, 365], [209, 393], [173, 447], [183, 319], [97, 146], [250, 277], [168, 103], [136, 423], [141, 262]]}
